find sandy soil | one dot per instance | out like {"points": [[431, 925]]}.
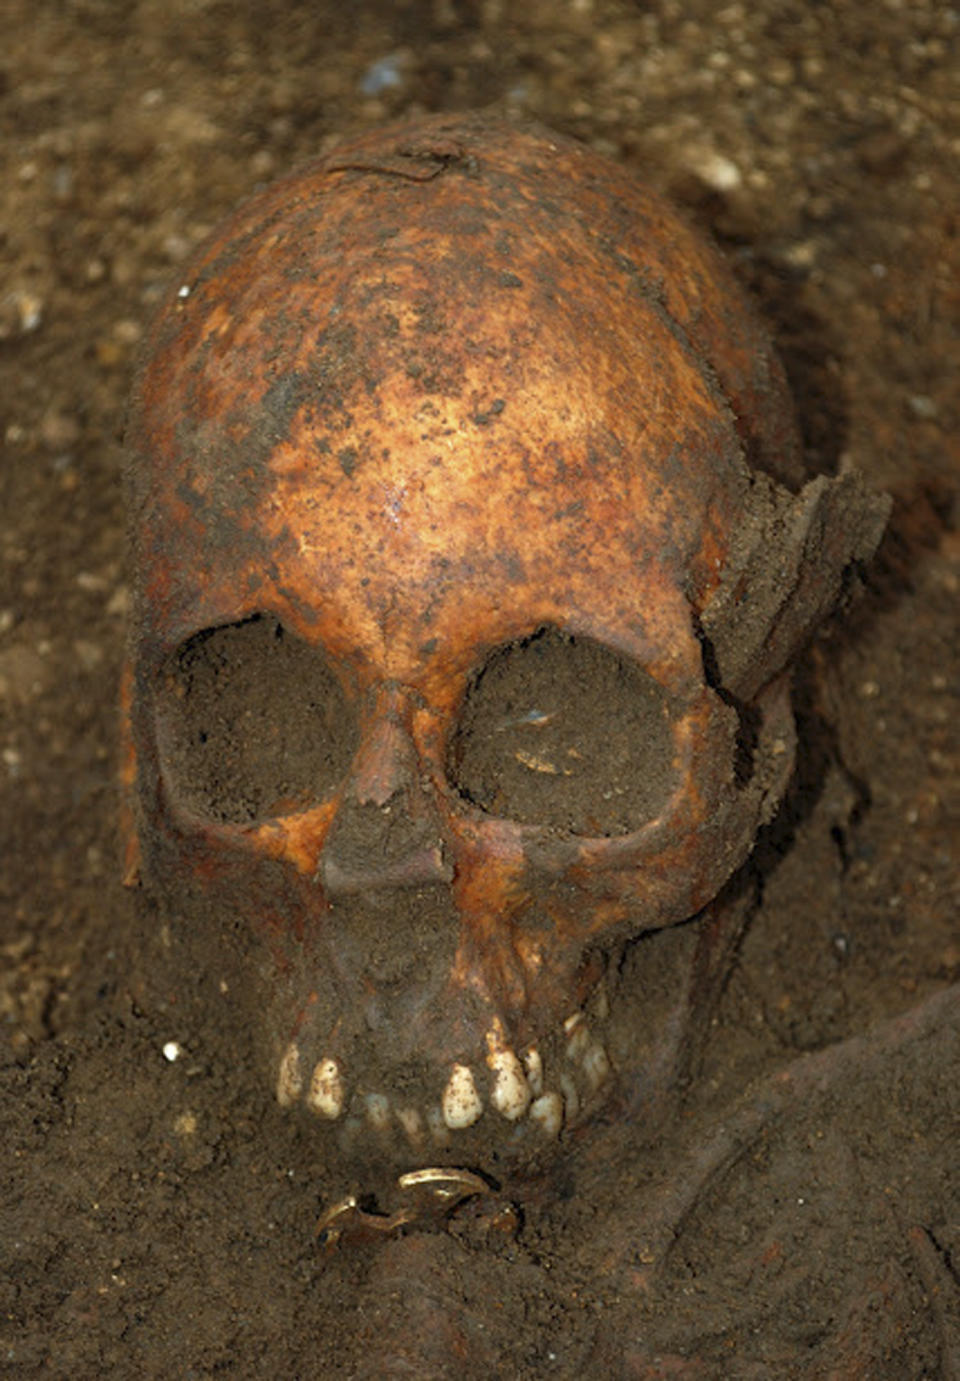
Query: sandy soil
{"points": [[802, 1216]]}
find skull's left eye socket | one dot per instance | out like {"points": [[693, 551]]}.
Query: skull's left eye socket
{"points": [[252, 723], [562, 732]]}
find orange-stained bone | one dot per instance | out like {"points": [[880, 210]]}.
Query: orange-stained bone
{"points": [[451, 385]]}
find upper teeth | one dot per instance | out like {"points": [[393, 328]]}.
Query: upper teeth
{"points": [[461, 1102], [289, 1076], [510, 1094], [534, 1067], [517, 1089], [325, 1094], [547, 1113]]}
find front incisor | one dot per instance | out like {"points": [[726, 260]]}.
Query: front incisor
{"points": [[510, 1094], [325, 1095], [462, 1105]]}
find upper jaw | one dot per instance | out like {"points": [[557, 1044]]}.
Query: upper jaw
{"points": [[501, 1104]]}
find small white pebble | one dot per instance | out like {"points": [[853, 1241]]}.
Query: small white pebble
{"points": [[922, 407], [172, 1051], [127, 332], [713, 168]]}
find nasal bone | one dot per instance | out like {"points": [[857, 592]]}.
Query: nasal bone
{"points": [[386, 766], [387, 832]]}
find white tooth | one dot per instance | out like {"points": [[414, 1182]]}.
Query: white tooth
{"points": [[534, 1067], [572, 1022], [596, 1065], [510, 1094], [461, 1102], [411, 1123], [578, 1041], [325, 1095], [570, 1096], [289, 1076], [439, 1130], [547, 1113], [350, 1128], [378, 1111]]}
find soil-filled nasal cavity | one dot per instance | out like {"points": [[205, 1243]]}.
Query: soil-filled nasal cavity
{"points": [[253, 722], [559, 731]]}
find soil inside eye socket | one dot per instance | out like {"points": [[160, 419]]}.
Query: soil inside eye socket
{"points": [[560, 731], [252, 722]]}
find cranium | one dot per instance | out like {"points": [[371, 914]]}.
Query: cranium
{"points": [[470, 561]]}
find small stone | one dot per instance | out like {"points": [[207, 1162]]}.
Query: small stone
{"points": [[87, 580], [176, 248], [714, 169], [923, 407], [387, 73], [780, 72], [882, 152], [800, 255], [21, 312], [88, 654], [23, 673], [118, 604], [127, 332], [262, 163]]}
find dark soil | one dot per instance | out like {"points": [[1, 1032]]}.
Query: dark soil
{"points": [[528, 748], [802, 1216], [254, 719]]}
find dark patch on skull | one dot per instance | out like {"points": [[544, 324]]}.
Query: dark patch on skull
{"points": [[485, 416]]}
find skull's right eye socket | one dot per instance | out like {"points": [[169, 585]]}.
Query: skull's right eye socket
{"points": [[253, 723]]}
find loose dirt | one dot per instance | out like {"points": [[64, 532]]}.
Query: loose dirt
{"points": [[801, 1215]]}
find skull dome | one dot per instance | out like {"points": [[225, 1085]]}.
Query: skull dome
{"points": [[470, 556]]}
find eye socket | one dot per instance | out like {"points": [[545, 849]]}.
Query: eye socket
{"points": [[253, 723], [562, 732]]}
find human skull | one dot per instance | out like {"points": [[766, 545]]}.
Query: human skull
{"points": [[470, 558]]}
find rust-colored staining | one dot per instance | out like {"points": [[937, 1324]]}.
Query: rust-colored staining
{"points": [[466, 542]]}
